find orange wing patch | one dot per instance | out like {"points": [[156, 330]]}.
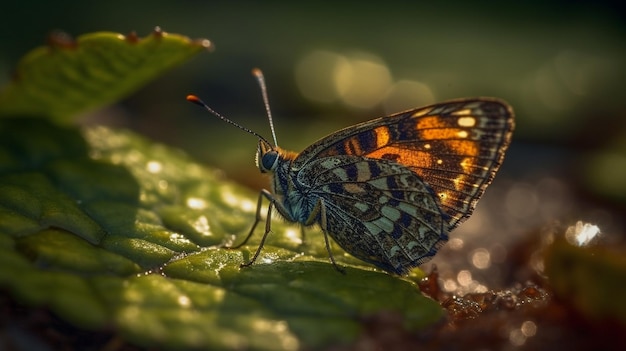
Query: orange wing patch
{"points": [[382, 136], [406, 157]]}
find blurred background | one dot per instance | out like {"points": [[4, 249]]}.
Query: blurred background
{"points": [[560, 64]]}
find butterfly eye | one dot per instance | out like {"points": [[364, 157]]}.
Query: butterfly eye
{"points": [[269, 160]]}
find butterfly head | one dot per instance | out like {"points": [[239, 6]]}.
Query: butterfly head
{"points": [[267, 156]]}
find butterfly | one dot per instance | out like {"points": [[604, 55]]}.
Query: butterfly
{"points": [[389, 190]]}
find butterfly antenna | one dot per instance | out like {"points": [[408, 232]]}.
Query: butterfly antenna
{"points": [[196, 100], [259, 77]]}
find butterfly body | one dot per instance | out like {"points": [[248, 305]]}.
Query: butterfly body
{"points": [[389, 191]]}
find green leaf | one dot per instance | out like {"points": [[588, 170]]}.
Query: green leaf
{"points": [[68, 77], [591, 278], [110, 230]]}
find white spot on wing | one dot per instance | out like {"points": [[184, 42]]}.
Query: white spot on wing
{"points": [[466, 121]]}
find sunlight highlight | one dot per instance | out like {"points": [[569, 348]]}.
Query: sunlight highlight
{"points": [[581, 234], [196, 203]]}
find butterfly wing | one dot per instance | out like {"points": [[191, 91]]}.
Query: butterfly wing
{"points": [[454, 147], [377, 210]]}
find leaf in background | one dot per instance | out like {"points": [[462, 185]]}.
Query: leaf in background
{"points": [[68, 77], [110, 230], [590, 277]]}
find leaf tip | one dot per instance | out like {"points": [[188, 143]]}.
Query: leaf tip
{"points": [[157, 32], [205, 43], [61, 40], [132, 37]]}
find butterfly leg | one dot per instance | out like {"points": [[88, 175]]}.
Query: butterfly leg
{"points": [[268, 229], [263, 194], [320, 209]]}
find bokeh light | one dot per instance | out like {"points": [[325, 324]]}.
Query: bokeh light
{"points": [[314, 75], [407, 94], [358, 79], [363, 81]]}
